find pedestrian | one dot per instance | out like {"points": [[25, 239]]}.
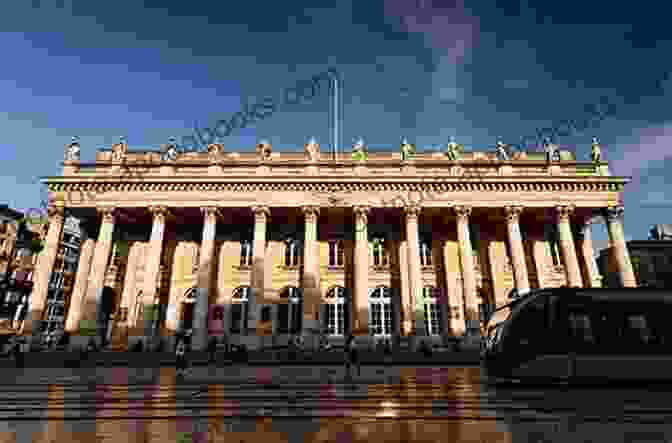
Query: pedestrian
{"points": [[181, 359], [18, 355], [351, 354], [212, 350]]}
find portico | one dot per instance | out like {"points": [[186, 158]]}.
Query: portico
{"points": [[288, 244]]}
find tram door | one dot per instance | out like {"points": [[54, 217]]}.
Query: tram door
{"points": [[535, 346]]}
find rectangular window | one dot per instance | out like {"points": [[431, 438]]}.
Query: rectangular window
{"points": [[426, 252], [293, 253], [336, 253], [335, 320], [380, 256], [432, 319], [245, 253]]}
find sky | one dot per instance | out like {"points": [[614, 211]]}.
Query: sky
{"points": [[420, 69]]}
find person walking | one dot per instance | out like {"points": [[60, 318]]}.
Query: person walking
{"points": [[351, 355], [181, 359], [18, 356], [212, 350]]}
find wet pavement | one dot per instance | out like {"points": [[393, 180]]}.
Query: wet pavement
{"points": [[298, 403]]}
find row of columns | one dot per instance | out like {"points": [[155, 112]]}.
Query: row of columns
{"points": [[87, 294]]}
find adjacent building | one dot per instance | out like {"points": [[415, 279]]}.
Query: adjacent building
{"points": [[61, 281], [265, 246], [9, 224], [651, 260]]}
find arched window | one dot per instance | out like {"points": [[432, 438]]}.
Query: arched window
{"points": [[293, 252], [380, 301], [290, 314], [336, 311], [336, 253], [239, 309], [246, 253], [433, 319]]}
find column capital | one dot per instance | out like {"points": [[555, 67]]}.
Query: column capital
{"points": [[563, 213], [159, 210], [513, 213], [261, 212], [311, 212], [585, 221], [107, 213], [412, 211], [613, 213], [209, 211], [56, 212], [462, 211], [361, 211]]}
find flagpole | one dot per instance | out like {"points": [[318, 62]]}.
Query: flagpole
{"points": [[335, 99]]}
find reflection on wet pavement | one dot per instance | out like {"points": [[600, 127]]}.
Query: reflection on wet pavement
{"points": [[415, 404]]}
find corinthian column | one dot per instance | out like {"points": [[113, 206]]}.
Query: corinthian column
{"points": [[205, 266], [567, 246], [261, 216], [472, 321], [516, 246], [613, 216], [417, 307], [311, 276], [45, 265], [152, 266], [361, 271], [588, 265], [92, 321], [81, 283]]}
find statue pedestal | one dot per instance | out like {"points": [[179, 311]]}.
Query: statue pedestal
{"points": [[167, 170], [506, 170], [214, 170]]}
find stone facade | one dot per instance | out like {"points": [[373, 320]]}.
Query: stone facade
{"points": [[289, 244]]}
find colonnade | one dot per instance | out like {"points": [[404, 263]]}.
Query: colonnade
{"points": [[86, 298]]}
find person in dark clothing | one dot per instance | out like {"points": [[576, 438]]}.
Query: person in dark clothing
{"points": [[212, 350], [18, 356], [351, 354], [181, 359]]}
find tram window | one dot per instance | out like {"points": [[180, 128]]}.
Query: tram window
{"points": [[580, 329], [530, 321], [637, 329]]}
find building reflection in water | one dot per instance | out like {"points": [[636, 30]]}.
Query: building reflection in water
{"points": [[166, 411]]}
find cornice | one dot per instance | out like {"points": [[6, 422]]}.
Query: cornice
{"points": [[347, 184]]}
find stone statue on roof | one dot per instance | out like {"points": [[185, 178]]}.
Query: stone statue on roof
{"points": [[72, 150], [169, 151], [503, 151], [552, 151], [596, 152], [264, 150], [454, 150], [407, 150], [359, 150], [120, 150], [312, 150], [214, 151]]}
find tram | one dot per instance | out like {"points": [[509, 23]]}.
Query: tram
{"points": [[583, 334]]}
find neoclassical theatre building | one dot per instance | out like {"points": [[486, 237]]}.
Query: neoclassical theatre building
{"points": [[264, 246]]}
